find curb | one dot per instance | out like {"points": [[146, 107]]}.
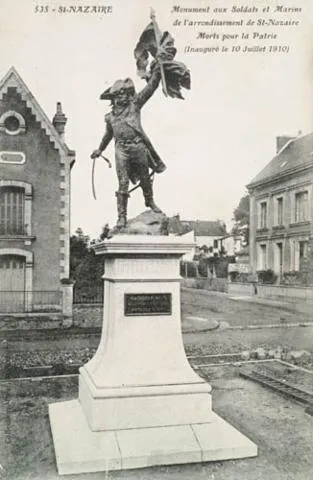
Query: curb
{"points": [[248, 327]]}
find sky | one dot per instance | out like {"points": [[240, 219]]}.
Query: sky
{"points": [[213, 142]]}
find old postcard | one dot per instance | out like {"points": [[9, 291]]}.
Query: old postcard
{"points": [[188, 123]]}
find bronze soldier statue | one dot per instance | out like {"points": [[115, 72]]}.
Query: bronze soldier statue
{"points": [[134, 153]]}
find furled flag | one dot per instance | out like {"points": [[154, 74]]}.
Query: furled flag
{"points": [[175, 74]]}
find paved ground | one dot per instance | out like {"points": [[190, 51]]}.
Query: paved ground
{"points": [[229, 341], [243, 311], [243, 315], [281, 429]]}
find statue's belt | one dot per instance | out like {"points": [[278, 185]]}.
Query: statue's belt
{"points": [[129, 142]]}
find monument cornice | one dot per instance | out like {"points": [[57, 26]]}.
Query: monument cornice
{"points": [[134, 245]]}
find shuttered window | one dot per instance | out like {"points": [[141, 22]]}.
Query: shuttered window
{"points": [[301, 207], [11, 211]]}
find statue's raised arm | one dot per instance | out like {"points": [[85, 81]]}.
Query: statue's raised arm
{"points": [[152, 85]]}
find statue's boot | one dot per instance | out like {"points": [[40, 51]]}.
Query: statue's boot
{"points": [[122, 200], [149, 202], [147, 191]]}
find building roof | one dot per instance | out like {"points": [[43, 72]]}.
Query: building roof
{"points": [[13, 80], [201, 228], [296, 154]]}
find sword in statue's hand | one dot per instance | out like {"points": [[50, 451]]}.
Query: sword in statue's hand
{"points": [[93, 173]]}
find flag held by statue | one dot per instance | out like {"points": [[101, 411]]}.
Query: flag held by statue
{"points": [[175, 75]]}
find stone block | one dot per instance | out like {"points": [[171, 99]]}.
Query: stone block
{"points": [[220, 441], [80, 450], [77, 448]]}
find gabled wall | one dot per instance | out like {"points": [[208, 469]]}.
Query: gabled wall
{"points": [[42, 170]]}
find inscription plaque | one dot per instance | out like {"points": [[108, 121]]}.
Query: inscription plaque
{"points": [[147, 304]]}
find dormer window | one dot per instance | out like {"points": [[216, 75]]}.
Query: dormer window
{"points": [[12, 123]]}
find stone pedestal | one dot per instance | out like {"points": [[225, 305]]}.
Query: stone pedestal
{"points": [[140, 403]]}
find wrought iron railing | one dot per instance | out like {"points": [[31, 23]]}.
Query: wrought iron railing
{"points": [[84, 295], [35, 301]]}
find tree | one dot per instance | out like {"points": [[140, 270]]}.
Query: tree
{"points": [[241, 218], [86, 268], [78, 250]]}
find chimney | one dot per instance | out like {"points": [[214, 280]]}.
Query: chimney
{"points": [[59, 120], [281, 142]]}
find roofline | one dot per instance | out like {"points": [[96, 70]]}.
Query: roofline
{"points": [[286, 173], [35, 107], [218, 235], [283, 148], [286, 145]]}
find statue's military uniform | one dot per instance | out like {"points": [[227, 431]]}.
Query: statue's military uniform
{"points": [[134, 153]]}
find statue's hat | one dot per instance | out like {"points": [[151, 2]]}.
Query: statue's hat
{"points": [[126, 84]]}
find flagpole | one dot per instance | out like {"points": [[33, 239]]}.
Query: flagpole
{"points": [[158, 37]]}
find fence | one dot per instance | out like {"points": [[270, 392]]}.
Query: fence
{"points": [[83, 295], [287, 291], [35, 301], [267, 290]]}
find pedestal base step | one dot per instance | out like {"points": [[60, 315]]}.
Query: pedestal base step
{"points": [[80, 450]]}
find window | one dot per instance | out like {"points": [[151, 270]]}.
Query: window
{"points": [[12, 157], [263, 215], [11, 261], [303, 249], [11, 211], [262, 257], [12, 123], [279, 259], [280, 211], [301, 210]]}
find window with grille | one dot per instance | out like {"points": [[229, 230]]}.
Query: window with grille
{"points": [[12, 211], [12, 262], [301, 211]]}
